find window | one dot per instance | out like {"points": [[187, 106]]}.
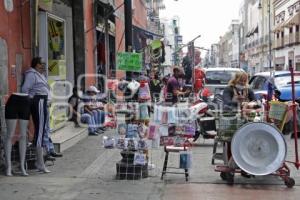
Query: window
{"points": [[282, 34], [277, 35], [291, 29], [297, 28]]}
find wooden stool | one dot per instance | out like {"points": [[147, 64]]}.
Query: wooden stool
{"points": [[173, 149]]}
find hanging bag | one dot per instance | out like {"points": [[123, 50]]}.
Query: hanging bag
{"points": [[185, 159]]}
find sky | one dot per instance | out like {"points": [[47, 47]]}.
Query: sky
{"points": [[208, 18]]}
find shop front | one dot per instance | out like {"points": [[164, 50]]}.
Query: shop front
{"points": [[56, 48]]}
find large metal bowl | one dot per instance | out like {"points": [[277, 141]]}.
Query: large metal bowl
{"points": [[258, 148]]}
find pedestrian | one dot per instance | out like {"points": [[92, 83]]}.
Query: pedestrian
{"points": [[36, 86], [80, 117], [155, 87], [173, 87], [95, 107]]}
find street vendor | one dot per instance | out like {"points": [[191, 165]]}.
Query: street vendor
{"points": [[238, 96], [237, 93], [173, 87]]}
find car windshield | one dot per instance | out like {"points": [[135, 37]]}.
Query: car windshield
{"points": [[285, 79], [219, 77]]}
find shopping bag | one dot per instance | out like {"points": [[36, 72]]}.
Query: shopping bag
{"points": [[185, 159], [120, 143], [179, 141], [108, 142], [171, 115], [152, 131], [139, 158], [163, 130], [142, 145], [133, 86], [189, 129], [144, 112], [132, 131], [142, 131], [122, 129], [144, 91], [131, 144]]}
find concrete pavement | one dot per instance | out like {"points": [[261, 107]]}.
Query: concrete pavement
{"points": [[87, 171]]}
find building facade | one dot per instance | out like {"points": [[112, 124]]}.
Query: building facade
{"points": [[287, 21]]}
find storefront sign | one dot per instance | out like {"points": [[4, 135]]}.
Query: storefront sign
{"points": [[129, 61], [45, 4]]}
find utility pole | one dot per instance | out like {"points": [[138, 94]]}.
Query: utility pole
{"points": [[128, 29], [128, 25]]}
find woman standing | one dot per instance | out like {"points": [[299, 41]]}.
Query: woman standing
{"points": [[36, 86]]}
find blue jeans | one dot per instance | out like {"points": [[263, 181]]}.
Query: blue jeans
{"points": [[99, 116], [89, 119], [47, 140]]}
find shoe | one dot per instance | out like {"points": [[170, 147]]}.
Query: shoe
{"points": [[98, 131], [54, 154], [102, 128], [49, 157], [93, 134]]}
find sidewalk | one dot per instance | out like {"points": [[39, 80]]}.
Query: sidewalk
{"points": [[87, 171]]}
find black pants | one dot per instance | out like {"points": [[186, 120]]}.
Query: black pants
{"points": [[39, 114]]}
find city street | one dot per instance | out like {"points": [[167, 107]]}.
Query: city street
{"points": [[87, 171]]}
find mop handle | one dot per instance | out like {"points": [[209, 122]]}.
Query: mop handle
{"points": [[294, 107]]}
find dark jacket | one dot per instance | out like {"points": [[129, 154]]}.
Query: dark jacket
{"points": [[228, 95]]}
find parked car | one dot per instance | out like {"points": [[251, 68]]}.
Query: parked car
{"points": [[216, 79], [282, 83]]}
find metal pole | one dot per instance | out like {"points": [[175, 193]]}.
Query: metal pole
{"points": [[107, 52], [192, 48], [270, 42], [128, 25]]}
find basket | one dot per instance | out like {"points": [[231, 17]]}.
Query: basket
{"points": [[228, 125]]}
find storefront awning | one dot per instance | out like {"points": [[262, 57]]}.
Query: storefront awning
{"points": [[294, 20], [140, 37]]}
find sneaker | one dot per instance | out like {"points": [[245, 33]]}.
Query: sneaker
{"points": [[99, 131], [93, 133], [102, 128]]}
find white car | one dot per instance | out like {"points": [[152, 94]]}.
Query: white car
{"points": [[216, 79]]}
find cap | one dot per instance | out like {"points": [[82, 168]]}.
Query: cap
{"points": [[93, 89]]}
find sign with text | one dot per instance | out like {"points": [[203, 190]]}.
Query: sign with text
{"points": [[128, 61]]}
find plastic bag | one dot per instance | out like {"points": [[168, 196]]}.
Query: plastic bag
{"points": [[139, 159], [144, 91], [108, 142], [185, 159], [133, 86]]}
